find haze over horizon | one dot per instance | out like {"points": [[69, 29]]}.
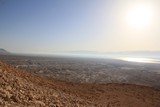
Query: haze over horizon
{"points": [[31, 26]]}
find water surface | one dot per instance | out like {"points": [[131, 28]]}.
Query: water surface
{"points": [[140, 60]]}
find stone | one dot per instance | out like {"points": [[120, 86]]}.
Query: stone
{"points": [[40, 103], [14, 98]]}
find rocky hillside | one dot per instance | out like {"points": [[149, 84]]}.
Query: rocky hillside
{"points": [[21, 88]]}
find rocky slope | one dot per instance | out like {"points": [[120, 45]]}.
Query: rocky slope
{"points": [[20, 88]]}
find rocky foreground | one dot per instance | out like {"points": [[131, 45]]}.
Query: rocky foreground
{"points": [[21, 88]]}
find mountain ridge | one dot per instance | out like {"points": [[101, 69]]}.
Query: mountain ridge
{"points": [[3, 52]]}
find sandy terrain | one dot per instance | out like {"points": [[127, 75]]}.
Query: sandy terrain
{"points": [[20, 88]]}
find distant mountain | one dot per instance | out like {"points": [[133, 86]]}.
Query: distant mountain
{"points": [[83, 52], [4, 52]]}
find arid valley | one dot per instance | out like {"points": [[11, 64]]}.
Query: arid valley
{"points": [[77, 82], [88, 70]]}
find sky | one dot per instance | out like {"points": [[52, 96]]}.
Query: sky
{"points": [[48, 26]]}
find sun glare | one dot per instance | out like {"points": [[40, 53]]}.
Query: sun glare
{"points": [[140, 60], [140, 16]]}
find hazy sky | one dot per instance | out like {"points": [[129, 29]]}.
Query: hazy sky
{"points": [[47, 26]]}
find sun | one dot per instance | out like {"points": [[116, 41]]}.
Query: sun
{"points": [[140, 16]]}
